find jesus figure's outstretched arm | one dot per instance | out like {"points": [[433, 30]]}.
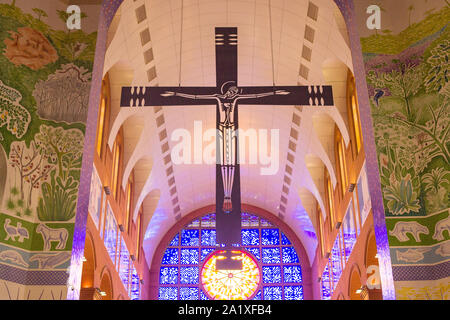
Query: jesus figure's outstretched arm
{"points": [[260, 95], [189, 96]]}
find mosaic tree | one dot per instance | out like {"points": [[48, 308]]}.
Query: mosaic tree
{"points": [[64, 149], [31, 166], [12, 115], [403, 82]]}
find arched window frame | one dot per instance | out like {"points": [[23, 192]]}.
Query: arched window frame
{"points": [[160, 250], [103, 117], [353, 115], [330, 200], [117, 156], [321, 232], [139, 233], [341, 162], [129, 202]]}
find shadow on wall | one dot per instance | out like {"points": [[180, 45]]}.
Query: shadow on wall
{"points": [[3, 171]]}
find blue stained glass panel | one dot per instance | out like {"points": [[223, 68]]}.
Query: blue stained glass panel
{"points": [[285, 240], [292, 274], [194, 224], [189, 275], [326, 289], [265, 223], [124, 264], [189, 256], [258, 296], [349, 231], [134, 288], [290, 255], [189, 237], [271, 255], [271, 274], [110, 238], [255, 252], [197, 241], [168, 275], [208, 237], [270, 237], [336, 262], [250, 237], [209, 220], [175, 241], [273, 293], [249, 220], [188, 293], [168, 293], [170, 256], [293, 292], [205, 253], [203, 296]]}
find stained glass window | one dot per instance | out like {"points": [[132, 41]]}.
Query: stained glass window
{"points": [[349, 232], [271, 255], [275, 258], [336, 262], [231, 284], [270, 237], [292, 274], [124, 264], [110, 238], [189, 256], [326, 285], [273, 293], [170, 256], [289, 255], [293, 293], [363, 195], [135, 285], [284, 239]]}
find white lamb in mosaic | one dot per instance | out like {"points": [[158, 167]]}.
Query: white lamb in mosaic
{"points": [[440, 227], [49, 235], [413, 227]]}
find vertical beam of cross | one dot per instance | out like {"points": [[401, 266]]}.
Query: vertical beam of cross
{"points": [[226, 96]]}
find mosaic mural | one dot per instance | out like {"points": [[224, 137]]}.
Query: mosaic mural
{"points": [[44, 88], [407, 77]]}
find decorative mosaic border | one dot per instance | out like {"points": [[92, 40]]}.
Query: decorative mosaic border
{"points": [[418, 273], [33, 278]]}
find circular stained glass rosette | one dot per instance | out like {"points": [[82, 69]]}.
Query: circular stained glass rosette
{"points": [[231, 284]]}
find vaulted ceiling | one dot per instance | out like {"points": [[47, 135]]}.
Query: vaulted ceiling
{"points": [[156, 43]]}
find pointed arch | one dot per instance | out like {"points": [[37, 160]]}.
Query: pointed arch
{"points": [[89, 265], [106, 285], [355, 283]]}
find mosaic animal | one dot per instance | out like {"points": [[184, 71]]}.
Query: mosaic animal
{"points": [[14, 257], [50, 235], [23, 232], [379, 93], [413, 227], [412, 255], [444, 249], [13, 232], [440, 227], [49, 261]]}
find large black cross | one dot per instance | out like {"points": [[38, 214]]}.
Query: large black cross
{"points": [[226, 96]]}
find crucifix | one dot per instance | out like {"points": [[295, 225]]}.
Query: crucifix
{"points": [[227, 96]]}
